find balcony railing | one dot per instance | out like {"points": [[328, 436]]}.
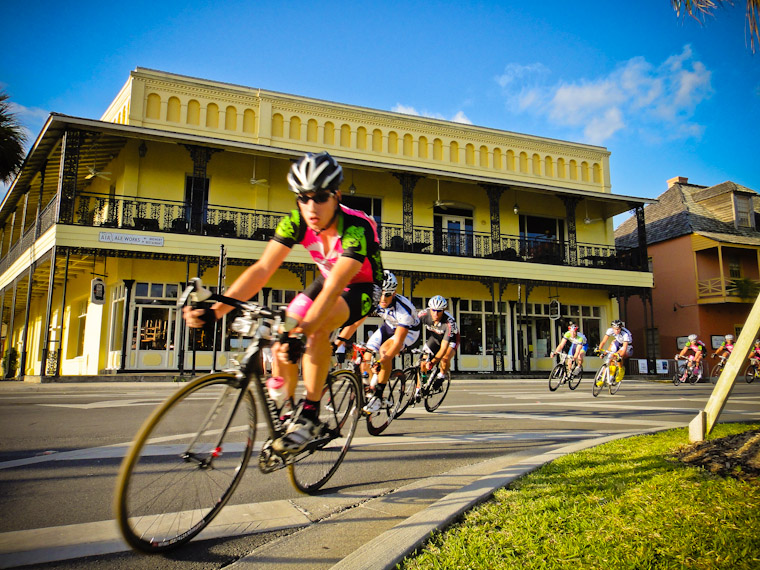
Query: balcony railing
{"points": [[715, 287], [124, 212]]}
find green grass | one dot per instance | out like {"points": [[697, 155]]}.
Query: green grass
{"points": [[623, 504]]}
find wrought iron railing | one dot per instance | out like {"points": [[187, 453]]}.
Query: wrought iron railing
{"points": [[153, 214]]}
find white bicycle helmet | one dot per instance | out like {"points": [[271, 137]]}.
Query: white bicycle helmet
{"points": [[729, 337], [389, 282], [314, 172], [617, 323], [438, 303], [692, 337]]}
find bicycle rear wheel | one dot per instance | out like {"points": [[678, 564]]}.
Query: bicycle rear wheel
{"points": [[749, 373], [182, 469], [695, 374], [615, 385], [555, 376], [575, 377], [439, 387], [599, 380], [715, 372], [339, 414]]}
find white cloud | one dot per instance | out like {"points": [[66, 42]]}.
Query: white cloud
{"points": [[636, 95], [459, 117]]}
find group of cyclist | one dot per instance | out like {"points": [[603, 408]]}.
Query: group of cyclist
{"points": [[621, 345], [353, 284]]}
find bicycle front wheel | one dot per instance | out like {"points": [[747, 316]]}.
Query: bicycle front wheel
{"points": [[715, 372], [749, 373], [438, 389], [555, 377], [575, 377], [339, 414], [599, 380], [403, 391], [185, 463]]}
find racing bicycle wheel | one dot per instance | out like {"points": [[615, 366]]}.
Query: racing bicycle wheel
{"points": [[600, 379], [404, 391], [749, 373], [574, 379], [615, 383], [339, 414], [715, 372], [439, 387], [378, 421], [696, 374], [185, 463], [556, 376]]}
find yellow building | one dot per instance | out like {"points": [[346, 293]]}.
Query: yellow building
{"points": [[509, 227]]}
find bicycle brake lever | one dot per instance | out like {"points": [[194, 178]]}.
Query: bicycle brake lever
{"points": [[195, 291]]}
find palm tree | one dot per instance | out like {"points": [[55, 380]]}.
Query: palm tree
{"points": [[697, 9], [12, 140]]}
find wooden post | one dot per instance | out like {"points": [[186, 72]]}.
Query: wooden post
{"points": [[727, 378]]}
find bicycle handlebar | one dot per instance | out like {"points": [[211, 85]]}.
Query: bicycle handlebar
{"points": [[196, 293]]}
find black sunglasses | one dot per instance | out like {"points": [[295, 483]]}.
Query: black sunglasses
{"points": [[318, 197]]}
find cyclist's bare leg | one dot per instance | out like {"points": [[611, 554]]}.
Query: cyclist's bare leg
{"points": [[318, 354], [446, 360]]}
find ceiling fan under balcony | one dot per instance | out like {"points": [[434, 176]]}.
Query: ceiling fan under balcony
{"points": [[442, 204], [588, 220], [97, 173], [256, 181]]}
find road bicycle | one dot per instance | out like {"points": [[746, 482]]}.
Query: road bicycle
{"points": [[752, 371], [717, 368], [604, 376], [395, 398], [433, 390], [190, 454], [562, 374], [691, 372]]}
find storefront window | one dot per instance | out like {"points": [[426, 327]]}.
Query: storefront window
{"points": [[471, 333]]}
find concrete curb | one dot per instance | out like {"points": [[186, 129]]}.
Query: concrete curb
{"points": [[366, 538]]}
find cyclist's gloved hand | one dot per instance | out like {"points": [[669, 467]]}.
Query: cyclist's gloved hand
{"points": [[296, 345], [208, 316]]}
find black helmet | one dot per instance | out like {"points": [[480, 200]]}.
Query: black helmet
{"points": [[617, 323], [314, 172]]}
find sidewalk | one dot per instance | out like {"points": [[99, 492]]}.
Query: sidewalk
{"points": [[379, 533]]}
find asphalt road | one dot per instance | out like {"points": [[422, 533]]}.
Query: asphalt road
{"points": [[61, 445]]}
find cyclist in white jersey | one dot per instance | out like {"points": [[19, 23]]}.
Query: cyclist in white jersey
{"points": [[578, 346], [622, 343], [400, 329]]}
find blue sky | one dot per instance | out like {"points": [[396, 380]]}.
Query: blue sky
{"points": [[667, 96]]}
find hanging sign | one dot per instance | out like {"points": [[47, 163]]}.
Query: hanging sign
{"points": [[554, 310], [97, 291]]}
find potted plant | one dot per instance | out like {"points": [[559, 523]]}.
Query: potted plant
{"points": [[10, 362], [745, 288]]}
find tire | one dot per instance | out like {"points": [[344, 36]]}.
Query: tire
{"points": [[575, 377], [601, 375], [435, 396], [555, 376], [749, 373], [615, 385], [339, 413], [715, 372], [378, 422], [676, 378], [694, 376], [405, 391], [164, 497]]}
